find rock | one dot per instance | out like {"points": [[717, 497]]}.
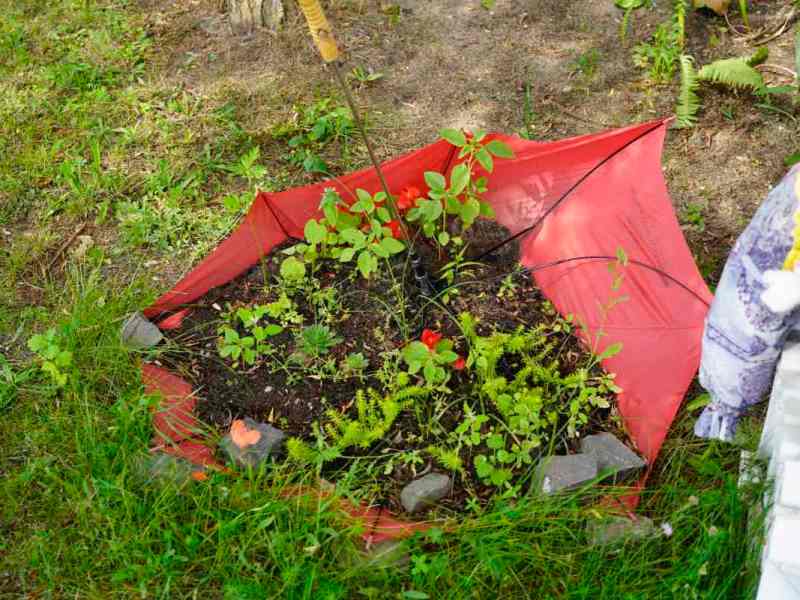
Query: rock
{"points": [[139, 332], [249, 443], [424, 491], [562, 473], [387, 554], [614, 530], [166, 468], [614, 458]]}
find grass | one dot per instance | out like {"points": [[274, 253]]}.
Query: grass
{"points": [[90, 135]]}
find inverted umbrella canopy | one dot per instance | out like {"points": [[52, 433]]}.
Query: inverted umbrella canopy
{"points": [[573, 203]]}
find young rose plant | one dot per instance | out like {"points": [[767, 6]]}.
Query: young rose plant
{"points": [[430, 355], [363, 231], [457, 202]]}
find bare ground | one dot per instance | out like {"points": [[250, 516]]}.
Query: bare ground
{"points": [[451, 63]]}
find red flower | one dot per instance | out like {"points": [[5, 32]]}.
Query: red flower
{"points": [[459, 363], [430, 338], [394, 225], [407, 199]]}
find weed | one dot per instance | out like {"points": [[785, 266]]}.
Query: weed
{"points": [[364, 76], [693, 214], [316, 340], [313, 128], [586, 63]]}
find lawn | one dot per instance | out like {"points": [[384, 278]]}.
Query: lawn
{"points": [[133, 136]]}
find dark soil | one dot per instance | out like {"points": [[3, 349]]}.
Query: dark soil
{"points": [[497, 291]]}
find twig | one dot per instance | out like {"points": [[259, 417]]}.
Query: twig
{"points": [[777, 69], [563, 109], [64, 246]]}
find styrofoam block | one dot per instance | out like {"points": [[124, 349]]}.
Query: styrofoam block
{"points": [[783, 538], [790, 358], [789, 449], [790, 489], [775, 584]]}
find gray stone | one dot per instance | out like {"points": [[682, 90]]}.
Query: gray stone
{"points": [[614, 458], [249, 443], [425, 491], [562, 473], [616, 530], [138, 332]]}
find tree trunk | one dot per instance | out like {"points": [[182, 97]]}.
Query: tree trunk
{"points": [[246, 15]]}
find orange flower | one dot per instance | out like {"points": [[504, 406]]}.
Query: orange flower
{"points": [[397, 231], [407, 199], [430, 338]]}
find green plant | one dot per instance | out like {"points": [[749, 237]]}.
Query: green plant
{"points": [[730, 72], [375, 415], [355, 364], [586, 63], [364, 76], [53, 359], [661, 56], [247, 167], [462, 198], [429, 356], [363, 230], [693, 214], [312, 129], [247, 348], [629, 6], [10, 381], [316, 340], [531, 405]]}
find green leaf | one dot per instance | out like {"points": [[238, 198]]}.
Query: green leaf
{"points": [[732, 72], [383, 214], [446, 356], [435, 181], [454, 136], [416, 352], [459, 178], [379, 250], [392, 246], [367, 263], [495, 441], [293, 270], [485, 159], [354, 237], [347, 255], [470, 211], [444, 238], [792, 159], [272, 329], [37, 342], [611, 350], [314, 232], [700, 402], [500, 149], [415, 595]]}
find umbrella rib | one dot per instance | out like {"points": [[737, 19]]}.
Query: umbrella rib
{"points": [[583, 178]]}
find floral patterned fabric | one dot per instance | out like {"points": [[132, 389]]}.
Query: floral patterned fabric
{"points": [[743, 338]]}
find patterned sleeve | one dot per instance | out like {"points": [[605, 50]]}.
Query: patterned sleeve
{"points": [[743, 339]]}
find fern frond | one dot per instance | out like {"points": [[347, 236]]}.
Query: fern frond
{"points": [[761, 55], [299, 451], [732, 72], [688, 102], [679, 15]]}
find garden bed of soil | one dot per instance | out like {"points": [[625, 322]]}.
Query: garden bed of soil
{"points": [[376, 318]]}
